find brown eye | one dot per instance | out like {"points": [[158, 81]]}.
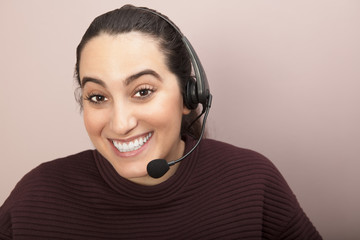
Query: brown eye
{"points": [[99, 98], [143, 93], [96, 99]]}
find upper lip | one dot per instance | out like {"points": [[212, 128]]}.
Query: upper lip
{"points": [[130, 138]]}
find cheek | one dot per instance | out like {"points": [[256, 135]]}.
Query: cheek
{"points": [[167, 111], [94, 121]]}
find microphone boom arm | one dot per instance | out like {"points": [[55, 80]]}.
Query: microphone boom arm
{"points": [[206, 111]]}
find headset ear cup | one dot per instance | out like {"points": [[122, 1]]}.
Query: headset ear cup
{"points": [[191, 99]]}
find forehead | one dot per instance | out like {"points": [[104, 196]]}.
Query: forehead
{"points": [[121, 53]]}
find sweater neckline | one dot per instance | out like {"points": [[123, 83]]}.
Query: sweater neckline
{"points": [[158, 192]]}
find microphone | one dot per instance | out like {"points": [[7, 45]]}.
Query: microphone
{"points": [[158, 167]]}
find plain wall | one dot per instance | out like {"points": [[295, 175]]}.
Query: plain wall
{"points": [[285, 78]]}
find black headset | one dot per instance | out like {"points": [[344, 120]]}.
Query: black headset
{"points": [[195, 91]]}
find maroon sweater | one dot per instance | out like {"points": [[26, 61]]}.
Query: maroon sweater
{"points": [[218, 192]]}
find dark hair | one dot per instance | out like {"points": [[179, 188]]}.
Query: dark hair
{"points": [[130, 18]]}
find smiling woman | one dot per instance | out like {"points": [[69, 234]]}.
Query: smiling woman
{"points": [[134, 98], [134, 72]]}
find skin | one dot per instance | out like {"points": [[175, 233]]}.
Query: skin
{"points": [[128, 93]]}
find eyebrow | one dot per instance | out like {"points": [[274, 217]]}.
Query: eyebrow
{"points": [[135, 76], [127, 81], [94, 80]]}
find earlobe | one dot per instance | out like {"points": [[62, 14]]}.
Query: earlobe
{"points": [[186, 111]]}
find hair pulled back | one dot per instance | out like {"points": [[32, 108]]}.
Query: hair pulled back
{"points": [[130, 18]]}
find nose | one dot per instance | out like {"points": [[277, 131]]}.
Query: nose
{"points": [[123, 119]]}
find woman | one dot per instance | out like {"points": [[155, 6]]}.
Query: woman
{"points": [[133, 70]]}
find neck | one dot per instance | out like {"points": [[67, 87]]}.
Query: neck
{"points": [[149, 181]]}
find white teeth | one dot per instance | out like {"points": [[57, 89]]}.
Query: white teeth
{"points": [[131, 146]]}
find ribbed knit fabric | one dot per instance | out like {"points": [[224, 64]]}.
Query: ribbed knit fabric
{"points": [[218, 192]]}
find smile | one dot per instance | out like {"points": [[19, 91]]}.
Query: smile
{"points": [[132, 145]]}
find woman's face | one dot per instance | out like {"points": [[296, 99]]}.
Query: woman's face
{"points": [[132, 103]]}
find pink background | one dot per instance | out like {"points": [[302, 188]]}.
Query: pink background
{"points": [[285, 78]]}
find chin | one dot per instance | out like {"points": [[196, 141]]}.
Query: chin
{"points": [[132, 172]]}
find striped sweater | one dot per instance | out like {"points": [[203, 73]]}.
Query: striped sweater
{"points": [[218, 192]]}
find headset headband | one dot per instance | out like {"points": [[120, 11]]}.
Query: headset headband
{"points": [[201, 92]]}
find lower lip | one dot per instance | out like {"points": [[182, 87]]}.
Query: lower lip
{"points": [[132, 153]]}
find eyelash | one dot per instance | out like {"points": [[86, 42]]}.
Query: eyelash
{"points": [[91, 97], [149, 91], [98, 98]]}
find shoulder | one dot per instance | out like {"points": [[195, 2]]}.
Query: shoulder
{"points": [[68, 161], [55, 173], [241, 165], [231, 154], [215, 146], [47, 181], [247, 174], [64, 166]]}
